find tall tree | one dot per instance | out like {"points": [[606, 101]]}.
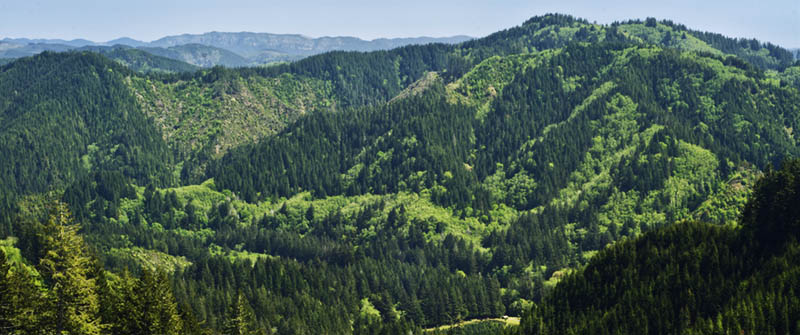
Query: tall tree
{"points": [[72, 304], [157, 306], [6, 308], [241, 319]]}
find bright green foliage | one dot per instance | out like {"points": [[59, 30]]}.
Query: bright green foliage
{"points": [[119, 307], [75, 296], [427, 185], [486, 80], [143, 305], [157, 309], [72, 304], [690, 277], [7, 311], [21, 310], [240, 319], [791, 76]]}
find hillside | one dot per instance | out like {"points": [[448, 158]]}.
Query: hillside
{"points": [[693, 277], [200, 55], [204, 115], [98, 126], [17, 50], [141, 61], [399, 190]]}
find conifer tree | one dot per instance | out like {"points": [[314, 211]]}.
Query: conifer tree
{"points": [[6, 309], [157, 306], [241, 320], [71, 305]]}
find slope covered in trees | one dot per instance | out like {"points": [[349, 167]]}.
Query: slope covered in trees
{"points": [[141, 60], [693, 278], [61, 289], [63, 115], [639, 124], [388, 191]]}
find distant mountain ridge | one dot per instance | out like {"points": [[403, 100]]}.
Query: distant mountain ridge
{"points": [[250, 44], [222, 48]]}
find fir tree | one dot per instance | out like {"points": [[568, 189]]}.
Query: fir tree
{"points": [[72, 304], [157, 306], [240, 319]]}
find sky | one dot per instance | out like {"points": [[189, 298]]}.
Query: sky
{"points": [[776, 21]]}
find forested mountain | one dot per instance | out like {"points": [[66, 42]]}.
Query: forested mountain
{"points": [[200, 55], [694, 278], [142, 61], [64, 115], [15, 50], [391, 191]]}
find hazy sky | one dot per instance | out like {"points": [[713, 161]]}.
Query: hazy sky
{"points": [[776, 21]]}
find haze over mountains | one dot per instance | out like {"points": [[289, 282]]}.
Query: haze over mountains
{"points": [[222, 48]]}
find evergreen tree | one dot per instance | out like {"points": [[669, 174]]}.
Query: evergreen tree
{"points": [[24, 300], [72, 304], [156, 304], [6, 308], [240, 319]]}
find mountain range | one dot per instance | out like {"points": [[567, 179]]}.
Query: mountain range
{"points": [[636, 177], [221, 48]]}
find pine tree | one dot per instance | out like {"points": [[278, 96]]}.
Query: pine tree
{"points": [[119, 305], [157, 306], [6, 308], [72, 304], [24, 299], [241, 319]]}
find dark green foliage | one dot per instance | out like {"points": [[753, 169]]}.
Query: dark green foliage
{"points": [[383, 149], [574, 146], [750, 50], [420, 134], [240, 319], [57, 108], [22, 300], [692, 277], [367, 78], [773, 214]]}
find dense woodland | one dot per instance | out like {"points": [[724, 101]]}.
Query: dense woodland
{"points": [[558, 171], [695, 278]]}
